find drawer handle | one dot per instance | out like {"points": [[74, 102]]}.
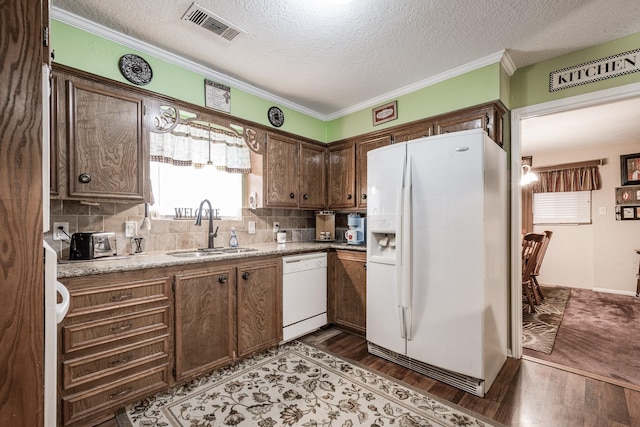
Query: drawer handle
{"points": [[128, 358], [121, 328], [364, 197], [84, 178], [349, 196], [291, 195], [222, 279], [305, 196], [245, 275], [122, 297], [121, 393]]}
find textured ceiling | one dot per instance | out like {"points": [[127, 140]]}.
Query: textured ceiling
{"points": [[329, 58]]}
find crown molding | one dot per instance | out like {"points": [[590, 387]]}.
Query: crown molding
{"points": [[471, 66]]}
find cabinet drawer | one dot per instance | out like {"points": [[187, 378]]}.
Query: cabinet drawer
{"points": [[100, 298], [83, 335], [81, 370], [91, 403]]}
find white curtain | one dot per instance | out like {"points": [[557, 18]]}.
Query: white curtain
{"points": [[192, 144]]}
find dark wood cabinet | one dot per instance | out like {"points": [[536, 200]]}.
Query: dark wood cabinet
{"points": [[348, 290], [363, 147], [105, 142], [114, 344], [294, 174], [204, 313], [259, 306], [342, 170], [312, 177], [488, 117], [414, 131]]}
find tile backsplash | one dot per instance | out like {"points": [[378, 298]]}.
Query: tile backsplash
{"points": [[170, 234]]}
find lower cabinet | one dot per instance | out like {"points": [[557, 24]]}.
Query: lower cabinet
{"points": [[225, 313], [348, 290], [204, 307], [259, 306], [114, 344]]}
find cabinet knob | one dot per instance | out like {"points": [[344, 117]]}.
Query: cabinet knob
{"points": [[245, 275], [291, 195], [306, 196], [349, 196], [84, 178], [222, 278], [364, 197]]}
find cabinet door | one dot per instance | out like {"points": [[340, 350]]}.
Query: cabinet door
{"points": [[488, 117], [204, 333], [342, 177], [259, 312], [415, 131], [348, 292], [363, 148], [312, 177], [281, 172], [105, 139]]}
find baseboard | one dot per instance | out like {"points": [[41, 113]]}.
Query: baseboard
{"points": [[613, 291]]}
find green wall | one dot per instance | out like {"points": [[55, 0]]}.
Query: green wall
{"points": [[85, 51], [472, 88], [530, 85]]}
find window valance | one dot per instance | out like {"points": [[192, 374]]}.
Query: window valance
{"points": [[567, 179], [197, 145]]}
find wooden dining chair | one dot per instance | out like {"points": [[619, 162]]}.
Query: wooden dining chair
{"points": [[531, 245], [536, 271]]}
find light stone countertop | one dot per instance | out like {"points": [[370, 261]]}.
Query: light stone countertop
{"points": [[164, 259]]}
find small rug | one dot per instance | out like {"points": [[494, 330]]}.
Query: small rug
{"points": [[539, 328], [295, 385]]}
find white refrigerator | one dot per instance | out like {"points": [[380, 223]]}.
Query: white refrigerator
{"points": [[437, 257]]}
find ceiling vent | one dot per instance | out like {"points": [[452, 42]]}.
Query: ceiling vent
{"points": [[205, 19]]}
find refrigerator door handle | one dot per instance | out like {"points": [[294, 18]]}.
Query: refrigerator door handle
{"points": [[403, 324], [406, 248]]}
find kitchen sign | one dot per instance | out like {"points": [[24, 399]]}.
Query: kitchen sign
{"points": [[217, 96], [593, 71]]}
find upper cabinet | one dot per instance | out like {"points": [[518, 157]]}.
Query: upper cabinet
{"points": [[342, 170], [487, 117], [294, 174], [363, 147], [101, 150]]}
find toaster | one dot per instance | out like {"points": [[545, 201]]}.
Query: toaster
{"points": [[91, 245]]}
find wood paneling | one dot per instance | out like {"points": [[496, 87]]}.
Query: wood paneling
{"points": [[21, 256]]}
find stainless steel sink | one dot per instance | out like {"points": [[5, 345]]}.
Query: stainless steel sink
{"points": [[199, 253]]}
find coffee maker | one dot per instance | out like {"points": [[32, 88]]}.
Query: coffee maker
{"points": [[355, 234], [325, 226]]}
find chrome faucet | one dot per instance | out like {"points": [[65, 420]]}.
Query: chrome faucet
{"points": [[212, 234]]}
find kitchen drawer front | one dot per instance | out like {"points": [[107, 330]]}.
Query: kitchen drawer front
{"points": [[92, 299], [91, 404], [83, 335], [101, 366]]}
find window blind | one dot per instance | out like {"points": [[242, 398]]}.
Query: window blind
{"points": [[570, 207]]}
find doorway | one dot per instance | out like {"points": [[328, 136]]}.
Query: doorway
{"points": [[517, 115]]}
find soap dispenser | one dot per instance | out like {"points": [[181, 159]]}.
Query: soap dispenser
{"points": [[233, 242]]}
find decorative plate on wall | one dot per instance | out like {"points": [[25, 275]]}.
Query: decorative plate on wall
{"points": [[135, 69], [276, 116]]}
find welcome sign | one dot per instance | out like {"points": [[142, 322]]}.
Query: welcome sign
{"points": [[593, 71]]}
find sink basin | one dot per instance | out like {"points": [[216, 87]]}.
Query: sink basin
{"points": [[199, 253], [196, 254]]}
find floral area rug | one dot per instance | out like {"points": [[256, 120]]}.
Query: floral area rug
{"points": [[294, 385], [539, 328]]}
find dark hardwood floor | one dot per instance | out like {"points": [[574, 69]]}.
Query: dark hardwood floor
{"points": [[525, 393]]}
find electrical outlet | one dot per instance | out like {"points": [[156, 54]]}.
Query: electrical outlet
{"points": [[130, 228], [252, 227], [276, 227], [59, 230]]}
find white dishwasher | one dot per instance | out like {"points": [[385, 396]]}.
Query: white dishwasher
{"points": [[304, 294]]}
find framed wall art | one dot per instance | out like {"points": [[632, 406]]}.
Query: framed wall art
{"points": [[385, 113], [630, 169]]}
